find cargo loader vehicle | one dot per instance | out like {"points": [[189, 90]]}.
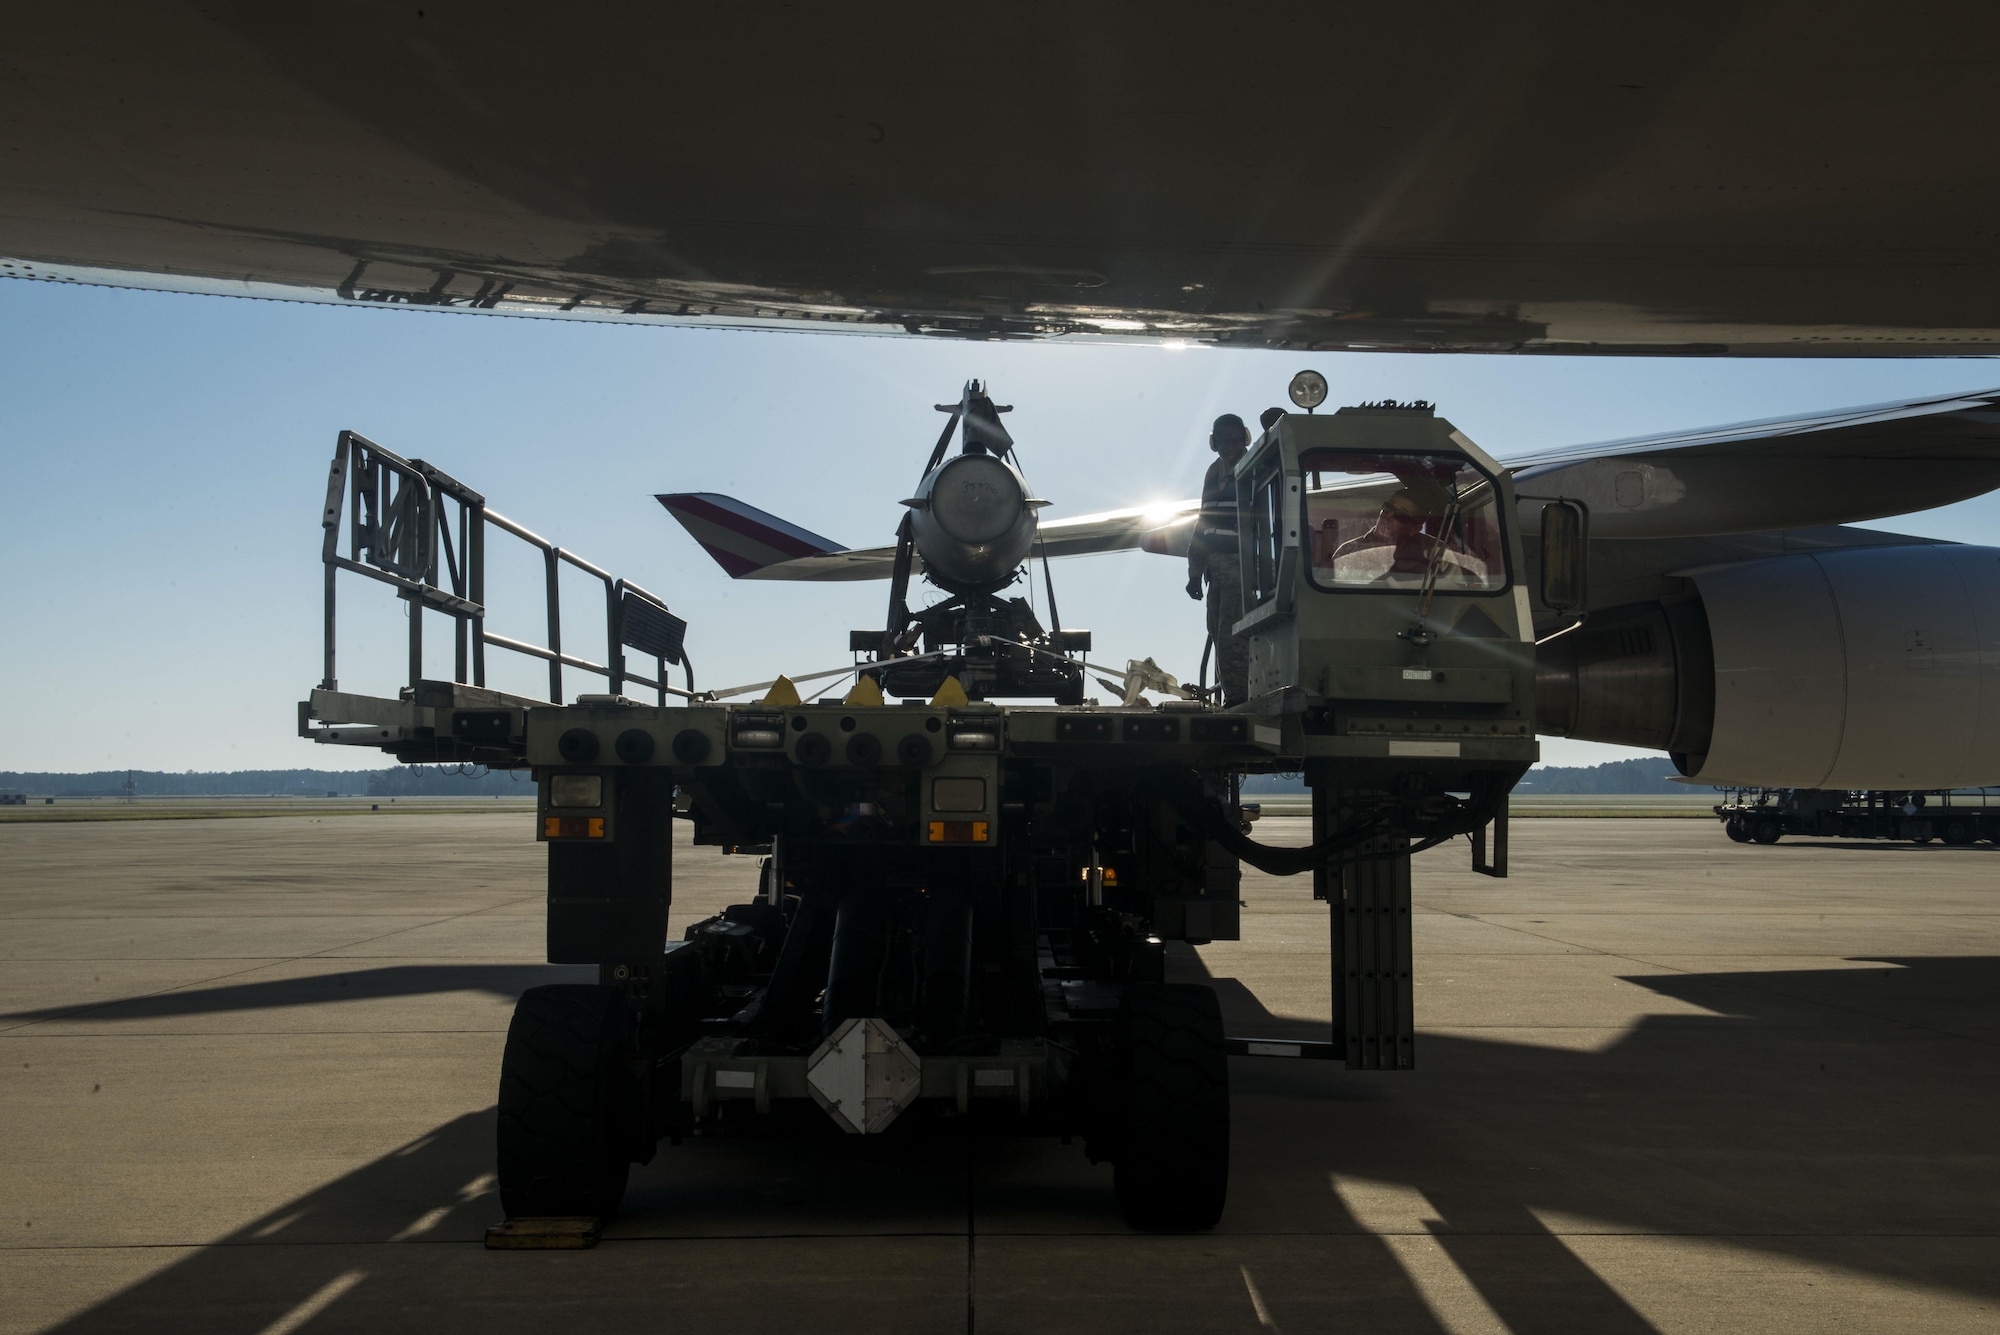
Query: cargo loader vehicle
{"points": [[970, 874]]}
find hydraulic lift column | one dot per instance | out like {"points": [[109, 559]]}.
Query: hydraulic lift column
{"points": [[1368, 900]]}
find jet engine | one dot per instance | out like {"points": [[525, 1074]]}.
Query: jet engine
{"points": [[974, 524], [1868, 668], [972, 520]]}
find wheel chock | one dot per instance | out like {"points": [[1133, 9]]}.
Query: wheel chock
{"points": [[549, 1233]]}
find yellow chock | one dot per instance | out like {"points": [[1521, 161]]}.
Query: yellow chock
{"points": [[560, 1233], [951, 695], [865, 693], [782, 692]]}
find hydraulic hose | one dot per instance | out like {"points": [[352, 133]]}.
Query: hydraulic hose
{"points": [[1184, 795]]}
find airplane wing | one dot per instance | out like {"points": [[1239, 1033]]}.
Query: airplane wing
{"points": [[750, 543], [1768, 476], [1838, 467], [1155, 528], [745, 540], [1765, 477], [230, 146]]}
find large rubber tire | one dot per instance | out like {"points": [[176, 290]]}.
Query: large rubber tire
{"points": [[1733, 827], [568, 1103], [1171, 1170], [1766, 830], [1958, 832]]}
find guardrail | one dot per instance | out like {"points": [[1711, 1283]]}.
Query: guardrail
{"points": [[423, 532]]}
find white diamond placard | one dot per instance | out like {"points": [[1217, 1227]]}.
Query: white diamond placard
{"points": [[864, 1075]]}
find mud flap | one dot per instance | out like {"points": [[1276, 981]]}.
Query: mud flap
{"points": [[608, 901]]}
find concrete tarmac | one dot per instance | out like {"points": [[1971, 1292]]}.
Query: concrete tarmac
{"points": [[1666, 1083]]}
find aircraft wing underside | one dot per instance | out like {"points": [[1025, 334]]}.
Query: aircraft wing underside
{"points": [[1541, 177], [750, 543], [1829, 468]]}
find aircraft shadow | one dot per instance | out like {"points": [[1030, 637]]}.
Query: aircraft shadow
{"points": [[1839, 1117], [1836, 1117], [506, 981]]}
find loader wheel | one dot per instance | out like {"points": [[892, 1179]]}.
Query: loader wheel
{"points": [[1733, 827], [1959, 832], [568, 1104], [1171, 1172], [1765, 829]]}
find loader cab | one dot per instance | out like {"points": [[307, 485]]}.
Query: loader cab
{"points": [[1380, 566]]}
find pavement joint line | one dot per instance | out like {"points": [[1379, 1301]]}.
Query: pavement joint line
{"points": [[234, 915], [272, 963], [187, 959], [266, 1033], [231, 916], [1221, 1235], [224, 916], [971, 1239], [1017, 1235], [274, 959], [250, 1244], [1817, 912]]}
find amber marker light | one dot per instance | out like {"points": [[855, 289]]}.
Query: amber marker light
{"points": [[572, 827], [959, 832]]}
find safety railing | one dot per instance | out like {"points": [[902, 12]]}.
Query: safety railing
{"points": [[416, 528]]}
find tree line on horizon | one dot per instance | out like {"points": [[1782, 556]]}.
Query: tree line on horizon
{"points": [[1647, 775], [399, 781]]}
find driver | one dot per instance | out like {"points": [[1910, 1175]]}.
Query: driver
{"points": [[1406, 533]]}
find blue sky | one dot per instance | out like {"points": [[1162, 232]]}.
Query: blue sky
{"points": [[165, 456]]}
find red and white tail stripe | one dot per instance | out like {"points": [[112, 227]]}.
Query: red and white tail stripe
{"points": [[742, 538]]}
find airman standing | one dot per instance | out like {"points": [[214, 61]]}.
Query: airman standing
{"points": [[1212, 554]]}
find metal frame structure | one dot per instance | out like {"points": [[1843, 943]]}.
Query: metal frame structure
{"points": [[966, 906], [401, 531]]}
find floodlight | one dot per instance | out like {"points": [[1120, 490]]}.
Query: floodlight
{"points": [[1308, 389]]}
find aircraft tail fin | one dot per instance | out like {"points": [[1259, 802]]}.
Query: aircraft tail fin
{"points": [[742, 538]]}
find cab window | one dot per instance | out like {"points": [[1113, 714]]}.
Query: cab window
{"points": [[1260, 504], [1379, 521]]}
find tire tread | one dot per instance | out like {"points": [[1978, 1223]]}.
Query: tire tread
{"points": [[562, 1083], [1171, 1171]]}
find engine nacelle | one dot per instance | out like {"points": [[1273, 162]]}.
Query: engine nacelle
{"points": [[1870, 667], [1639, 676]]}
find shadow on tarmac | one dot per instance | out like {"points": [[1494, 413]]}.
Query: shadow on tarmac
{"points": [[507, 981], [1834, 1117]]}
